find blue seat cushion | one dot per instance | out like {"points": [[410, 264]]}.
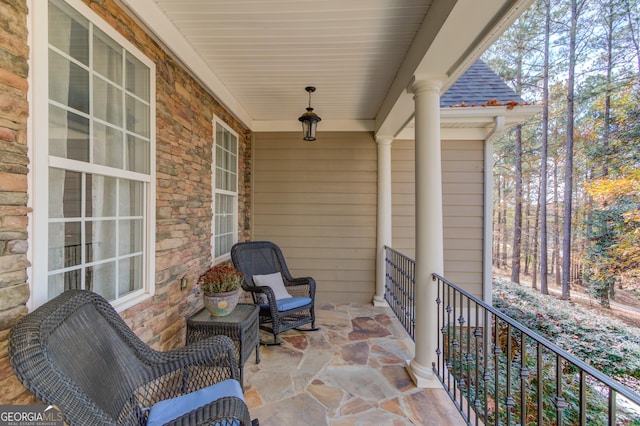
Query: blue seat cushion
{"points": [[289, 303], [170, 409]]}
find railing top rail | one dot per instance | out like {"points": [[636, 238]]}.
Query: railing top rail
{"points": [[611, 383], [397, 253]]}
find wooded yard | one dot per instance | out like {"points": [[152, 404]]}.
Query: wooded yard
{"points": [[579, 326], [567, 183]]}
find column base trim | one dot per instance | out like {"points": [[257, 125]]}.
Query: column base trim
{"points": [[379, 301], [422, 377]]}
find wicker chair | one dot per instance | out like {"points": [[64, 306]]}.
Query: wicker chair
{"points": [[76, 352], [277, 314]]}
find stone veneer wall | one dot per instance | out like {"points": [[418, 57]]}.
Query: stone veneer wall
{"points": [[183, 186], [14, 162]]}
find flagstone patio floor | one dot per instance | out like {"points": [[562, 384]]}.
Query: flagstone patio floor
{"points": [[350, 372]]}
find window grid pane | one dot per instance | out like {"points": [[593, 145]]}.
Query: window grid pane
{"points": [[224, 220], [76, 96], [137, 78], [107, 57], [107, 105], [68, 134], [62, 16]]}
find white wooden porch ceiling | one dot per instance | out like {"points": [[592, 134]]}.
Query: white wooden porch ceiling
{"points": [[359, 54], [267, 51]]}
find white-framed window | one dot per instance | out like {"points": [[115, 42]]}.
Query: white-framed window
{"points": [[225, 191], [93, 148]]}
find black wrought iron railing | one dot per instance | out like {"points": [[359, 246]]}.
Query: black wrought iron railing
{"points": [[499, 372], [400, 287]]}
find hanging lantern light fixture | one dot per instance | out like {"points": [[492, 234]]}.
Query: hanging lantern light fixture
{"points": [[309, 119]]}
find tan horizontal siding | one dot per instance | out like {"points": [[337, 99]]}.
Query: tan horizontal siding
{"points": [[307, 232], [351, 177], [318, 209], [462, 233], [317, 201], [460, 212], [326, 187], [464, 188], [403, 197], [405, 190], [404, 232], [461, 200], [321, 165], [332, 224], [315, 155], [326, 198], [344, 242], [456, 255], [461, 221], [405, 177], [459, 177], [463, 203]]}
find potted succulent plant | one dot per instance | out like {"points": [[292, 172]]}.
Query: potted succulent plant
{"points": [[220, 287]]}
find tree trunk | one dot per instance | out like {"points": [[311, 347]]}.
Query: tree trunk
{"points": [[504, 237], [497, 232], [535, 242], [544, 289], [568, 174], [633, 29], [606, 131], [517, 217], [526, 230], [556, 223]]}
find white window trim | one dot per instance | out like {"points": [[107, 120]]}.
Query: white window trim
{"points": [[227, 256], [40, 161]]}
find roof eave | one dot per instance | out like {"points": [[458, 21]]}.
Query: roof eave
{"points": [[477, 123]]}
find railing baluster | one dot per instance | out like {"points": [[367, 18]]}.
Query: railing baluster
{"points": [[486, 332], [612, 407], [583, 399], [439, 315], [456, 345], [464, 380], [412, 293], [560, 401], [524, 379], [444, 331], [540, 379], [496, 360], [449, 339], [508, 400], [468, 360], [403, 290], [477, 334]]}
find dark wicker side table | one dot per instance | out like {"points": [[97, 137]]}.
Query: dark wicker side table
{"points": [[241, 326]]}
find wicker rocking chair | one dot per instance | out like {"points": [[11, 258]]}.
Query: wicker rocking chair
{"points": [[76, 352], [285, 302]]}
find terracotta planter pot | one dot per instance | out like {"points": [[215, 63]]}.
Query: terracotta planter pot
{"points": [[221, 304]]}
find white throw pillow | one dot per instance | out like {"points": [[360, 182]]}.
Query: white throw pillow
{"points": [[275, 282]]}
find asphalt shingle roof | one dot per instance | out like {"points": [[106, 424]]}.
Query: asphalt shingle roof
{"points": [[477, 86]]}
